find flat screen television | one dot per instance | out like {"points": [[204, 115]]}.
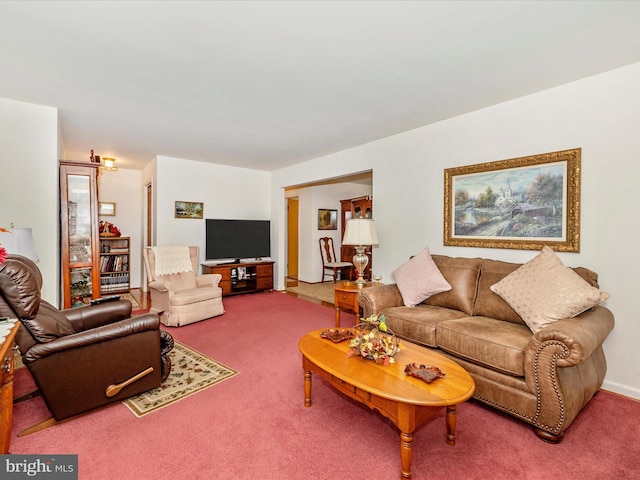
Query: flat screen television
{"points": [[237, 239]]}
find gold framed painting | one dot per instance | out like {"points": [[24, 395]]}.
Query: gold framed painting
{"points": [[520, 203], [327, 219], [189, 210]]}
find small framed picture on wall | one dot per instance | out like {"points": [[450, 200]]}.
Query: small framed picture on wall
{"points": [[327, 219], [107, 209], [189, 210]]}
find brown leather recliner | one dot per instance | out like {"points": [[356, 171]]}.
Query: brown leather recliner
{"points": [[86, 357]]}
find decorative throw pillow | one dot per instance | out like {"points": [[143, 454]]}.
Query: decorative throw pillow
{"points": [[544, 291], [419, 279]]}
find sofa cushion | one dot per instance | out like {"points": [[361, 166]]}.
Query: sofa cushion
{"points": [[48, 324], [19, 288], [544, 290], [193, 295], [462, 275], [418, 324], [180, 281], [488, 303], [486, 341], [20, 282], [587, 275], [419, 279]]}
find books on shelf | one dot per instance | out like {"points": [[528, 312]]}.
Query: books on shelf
{"points": [[113, 283], [114, 263]]}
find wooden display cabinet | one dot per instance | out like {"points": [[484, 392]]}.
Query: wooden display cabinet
{"points": [[244, 277], [79, 230], [360, 207]]}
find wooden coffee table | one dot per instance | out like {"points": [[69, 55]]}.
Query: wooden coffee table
{"points": [[408, 402]]}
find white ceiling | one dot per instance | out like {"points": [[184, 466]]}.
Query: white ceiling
{"points": [[269, 84]]}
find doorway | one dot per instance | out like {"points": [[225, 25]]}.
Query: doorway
{"points": [[292, 238], [149, 222], [302, 235]]}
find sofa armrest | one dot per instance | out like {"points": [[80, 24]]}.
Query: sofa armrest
{"points": [[208, 280], [93, 316], [373, 299], [580, 335], [123, 328]]}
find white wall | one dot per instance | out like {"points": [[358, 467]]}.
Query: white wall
{"points": [[227, 192], [600, 114], [29, 179], [123, 188]]}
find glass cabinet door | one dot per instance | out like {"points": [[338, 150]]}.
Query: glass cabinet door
{"points": [[79, 232]]}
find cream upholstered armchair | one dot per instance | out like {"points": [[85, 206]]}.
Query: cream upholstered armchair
{"points": [[178, 294]]}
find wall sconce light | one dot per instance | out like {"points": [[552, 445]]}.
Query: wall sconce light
{"points": [[108, 163]]}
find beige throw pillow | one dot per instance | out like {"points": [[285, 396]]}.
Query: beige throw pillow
{"points": [[419, 279], [544, 291]]}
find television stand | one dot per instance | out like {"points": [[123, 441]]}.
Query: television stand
{"points": [[226, 262], [245, 277]]}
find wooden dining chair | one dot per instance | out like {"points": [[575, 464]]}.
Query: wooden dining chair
{"points": [[330, 265]]}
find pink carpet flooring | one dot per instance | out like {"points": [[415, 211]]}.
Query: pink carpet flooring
{"points": [[255, 426]]}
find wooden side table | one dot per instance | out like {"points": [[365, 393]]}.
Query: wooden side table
{"points": [[8, 332], [345, 295]]}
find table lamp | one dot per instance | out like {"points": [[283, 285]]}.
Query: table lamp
{"points": [[361, 233], [19, 241]]}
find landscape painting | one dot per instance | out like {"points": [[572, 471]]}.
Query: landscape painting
{"points": [[327, 219], [189, 210], [520, 203]]}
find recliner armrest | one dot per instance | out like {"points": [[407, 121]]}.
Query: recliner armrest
{"points": [[208, 280], [122, 328], [161, 286], [93, 316]]}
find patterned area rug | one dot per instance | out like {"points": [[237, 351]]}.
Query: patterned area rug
{"points": [[127, 296], [191, 372], [320, 291]]}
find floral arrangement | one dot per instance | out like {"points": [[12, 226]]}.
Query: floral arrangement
{"points": [[109, 230], [374, 341], [3, 251]]}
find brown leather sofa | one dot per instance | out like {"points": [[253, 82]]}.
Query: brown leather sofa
{"points": [[544, 378], [81, 358]]}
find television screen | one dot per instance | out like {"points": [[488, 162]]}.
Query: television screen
{"points": [[237, 239]]}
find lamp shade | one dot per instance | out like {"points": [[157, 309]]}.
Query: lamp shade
{"points": [[19, 241], [360, 231]]}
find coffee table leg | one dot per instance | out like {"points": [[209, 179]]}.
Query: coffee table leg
{"points": [[406, 453], [307, 388], [451, 425]]}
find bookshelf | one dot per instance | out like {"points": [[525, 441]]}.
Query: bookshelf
{"points": [[114, 264]]}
